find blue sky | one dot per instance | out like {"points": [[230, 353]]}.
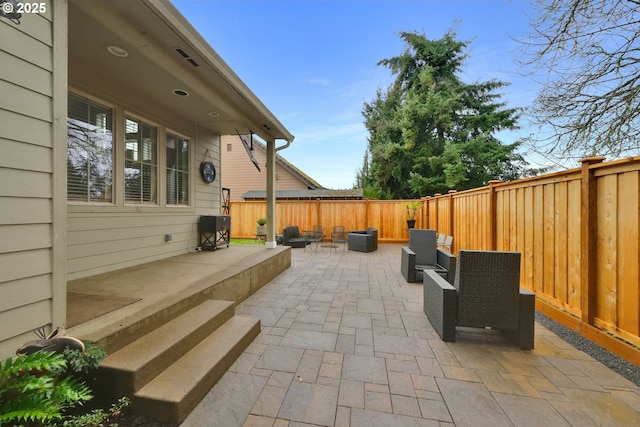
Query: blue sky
{"points": [[313, 63]]}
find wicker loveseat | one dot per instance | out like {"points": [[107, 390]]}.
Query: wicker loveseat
{"points": [[486, 293], [423, 253], [363, 240]]}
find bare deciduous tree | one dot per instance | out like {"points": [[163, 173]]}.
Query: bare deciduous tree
{"points": [[590, 53]]}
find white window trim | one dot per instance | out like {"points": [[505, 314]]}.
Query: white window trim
{"points": [[160, 160], [192, 149], [115, 132], [117, 204]]}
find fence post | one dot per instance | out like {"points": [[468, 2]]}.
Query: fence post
{"points": [[318, 212], [588, 240], [451, 218], [367, 220], [493, 215], [437, 201]]}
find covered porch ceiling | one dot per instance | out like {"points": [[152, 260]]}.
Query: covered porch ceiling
{"points": [[165, 54]]}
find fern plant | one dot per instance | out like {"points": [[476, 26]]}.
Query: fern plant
{"points": [[33, 390]]}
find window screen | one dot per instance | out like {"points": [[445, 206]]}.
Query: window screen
{"points": [[177, 170], [141, 162], [89, 151]]}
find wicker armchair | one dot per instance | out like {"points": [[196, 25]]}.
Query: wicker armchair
{"points": [[363, 240], [423, 253], [291, 237], [446, 243], [486, 292]]}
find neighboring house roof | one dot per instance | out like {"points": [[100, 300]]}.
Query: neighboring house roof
{"points": [[239, 174], [307, 194], [310, 182]]}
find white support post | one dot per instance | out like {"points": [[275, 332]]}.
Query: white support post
{"points": [[271, 195]]}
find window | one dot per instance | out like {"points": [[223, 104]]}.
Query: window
{"points": [[229, 147], [89, 151], [141, 162], [177, 170]]}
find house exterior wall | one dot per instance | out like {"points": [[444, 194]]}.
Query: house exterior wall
{"points": [[240, 175], [107, 237], [33, 76], [103, 237], [46, 240]]}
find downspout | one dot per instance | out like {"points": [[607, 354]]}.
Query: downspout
{"points": [[285, 145]]}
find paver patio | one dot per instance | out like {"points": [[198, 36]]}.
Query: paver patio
{"points": [[345, 342]]}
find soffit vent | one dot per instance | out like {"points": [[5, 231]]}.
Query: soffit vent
{"points": [[186, 56]]}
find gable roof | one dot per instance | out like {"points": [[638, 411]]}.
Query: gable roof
{"points": [[311, 183]]}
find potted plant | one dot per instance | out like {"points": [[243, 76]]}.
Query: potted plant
{"points": [[261, 230], [412, 207]]}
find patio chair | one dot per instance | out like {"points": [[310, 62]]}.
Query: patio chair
{"points": [[440, 240], [316, 235], [319, 232], [486, 293], [339, 235], [363, 240], [423, 253], [446, 243], [291, 237]]}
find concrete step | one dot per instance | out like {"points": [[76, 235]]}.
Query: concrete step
{"points": [[133, 366], [177, 390]]}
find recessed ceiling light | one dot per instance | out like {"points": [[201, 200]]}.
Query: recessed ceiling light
{"points": [[181, 92], [213, 114], [117, 51]]}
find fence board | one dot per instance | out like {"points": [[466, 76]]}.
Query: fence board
{"points": [[549, 255], [538, 239], [629, 253], [501, 206], [560, 242], [607, 201], [528, 263], [574, 225]]}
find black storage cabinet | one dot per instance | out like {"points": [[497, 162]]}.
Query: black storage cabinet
{"points": [[214, 231]]}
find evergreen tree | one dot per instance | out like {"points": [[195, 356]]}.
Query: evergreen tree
{"points": [[430, 131]]}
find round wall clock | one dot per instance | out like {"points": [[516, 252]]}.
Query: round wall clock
{"points": [[208, 172]]}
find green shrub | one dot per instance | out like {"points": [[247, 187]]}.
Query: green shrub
{"points": [[97, 417], [32, 388], [85, 361], [45, 389]]}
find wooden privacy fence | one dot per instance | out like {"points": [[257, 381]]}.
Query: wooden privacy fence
{"points": [[577, 231], [388, 216]]}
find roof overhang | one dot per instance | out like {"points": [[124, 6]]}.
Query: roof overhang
{"points": [[165, 53]]}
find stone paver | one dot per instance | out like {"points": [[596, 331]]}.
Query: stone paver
{"points": [[345, 343]]}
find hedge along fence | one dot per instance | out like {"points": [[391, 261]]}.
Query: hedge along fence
{"points": [[577, 231], [388, 216]]}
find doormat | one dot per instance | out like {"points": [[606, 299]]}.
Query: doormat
{"points": [[84, 307]]}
